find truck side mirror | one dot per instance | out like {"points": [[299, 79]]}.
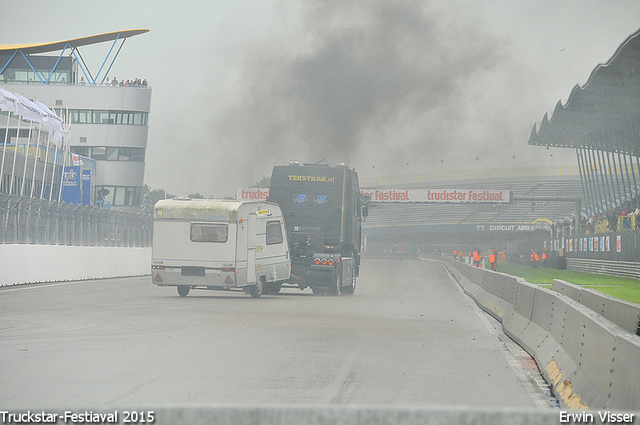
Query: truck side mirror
{"points": [[366, 203]]}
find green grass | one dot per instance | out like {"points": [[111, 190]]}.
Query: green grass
{"points": [[619, 287]]}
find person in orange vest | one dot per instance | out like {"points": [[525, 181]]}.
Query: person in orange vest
{"points": [[493, 259], [544, 258], [477, 257], [455, 253], [535, 259]]}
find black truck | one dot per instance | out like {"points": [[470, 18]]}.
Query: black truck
{"points": [[323, 211]]}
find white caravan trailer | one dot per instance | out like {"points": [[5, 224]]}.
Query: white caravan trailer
{"points": [[219, 244]]}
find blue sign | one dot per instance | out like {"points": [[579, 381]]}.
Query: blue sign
{"points": [[71, 188]]}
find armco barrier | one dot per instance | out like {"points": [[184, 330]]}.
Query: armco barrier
{"points": [[623, 313], [589, 361]]}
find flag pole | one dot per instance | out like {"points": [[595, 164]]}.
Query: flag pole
{"points": [[35, 161], [53, 171], [65, 146], [44, 169], [4, 148], [26, 160], [15, 154]]}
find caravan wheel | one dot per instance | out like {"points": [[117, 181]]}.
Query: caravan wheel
{"points": [[183, 290], [256, 290]]}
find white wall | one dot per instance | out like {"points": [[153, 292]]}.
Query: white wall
{"points": [[49, 263]]}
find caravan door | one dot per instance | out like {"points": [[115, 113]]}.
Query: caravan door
{"points": [[251, 248]]}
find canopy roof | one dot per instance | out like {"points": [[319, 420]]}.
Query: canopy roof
{"points": [[76, 42], [608, 104]]}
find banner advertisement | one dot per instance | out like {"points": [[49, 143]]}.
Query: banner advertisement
{"points": [[252, 194], [437, 196], [441, 196], [71, 186], [619, 243]]}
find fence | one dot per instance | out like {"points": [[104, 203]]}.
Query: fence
{"points": [[38, 221]]}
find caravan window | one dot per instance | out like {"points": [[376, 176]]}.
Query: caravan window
{"points": [[206, 232], [274, 233]]}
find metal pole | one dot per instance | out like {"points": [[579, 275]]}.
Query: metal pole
{"points": [[4, 148], [583, 177], [612, 175], [615, 168], [622, 177], [633, 174], [26, 160], [15, 154], [594, 175]]}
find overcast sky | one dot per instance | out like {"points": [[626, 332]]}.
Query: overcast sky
{"points": [[241, 86]]}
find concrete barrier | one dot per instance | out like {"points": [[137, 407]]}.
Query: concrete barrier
{"points": [[623, 313], [21, 263], [582, 354]]}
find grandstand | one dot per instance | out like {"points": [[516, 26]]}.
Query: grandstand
{"points": [[541, 205], [389, 215]]}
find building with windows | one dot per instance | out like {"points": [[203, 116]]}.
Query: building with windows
{"points": [[108, 115]]}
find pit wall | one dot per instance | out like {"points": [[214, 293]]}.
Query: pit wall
{"points": [[22, 263], [589, 361]]}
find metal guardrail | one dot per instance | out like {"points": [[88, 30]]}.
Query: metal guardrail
{"points": [[608, 267], [25, 220]]}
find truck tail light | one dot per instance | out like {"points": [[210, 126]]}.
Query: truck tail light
{"points": [[228, 269]]}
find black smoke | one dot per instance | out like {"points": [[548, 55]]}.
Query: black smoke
{"points": [[366, 81]]}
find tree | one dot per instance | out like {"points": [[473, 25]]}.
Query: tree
{"points": [[264, 182], [150, 197]]}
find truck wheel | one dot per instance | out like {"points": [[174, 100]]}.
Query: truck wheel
{"points": [[318, 291], [350, 289], [183, 290], [256, 290], [335, 284]]}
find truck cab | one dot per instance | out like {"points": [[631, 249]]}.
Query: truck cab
{"points": [[323, 211]]}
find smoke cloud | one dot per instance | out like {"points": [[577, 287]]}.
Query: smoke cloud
{"points": [[365, 79]]}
